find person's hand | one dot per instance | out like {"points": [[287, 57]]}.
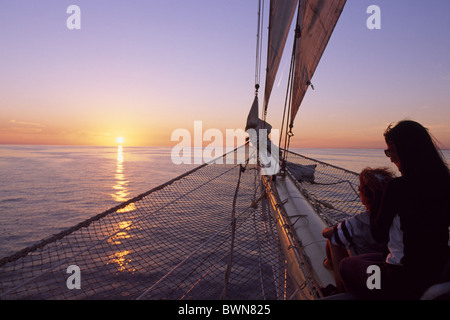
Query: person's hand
{"points": [[327, 232]]}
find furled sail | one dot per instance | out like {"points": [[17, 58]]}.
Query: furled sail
{"points": [[316, 22], [253, 120], [280, 20]]}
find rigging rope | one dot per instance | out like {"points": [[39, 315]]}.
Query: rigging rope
{"points": [[233, 235], [288, 102], [259, 45]]}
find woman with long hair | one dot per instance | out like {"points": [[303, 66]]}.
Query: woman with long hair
{"points": [[413, 219]]}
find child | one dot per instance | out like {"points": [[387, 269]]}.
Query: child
{"points": [[352, 236]]}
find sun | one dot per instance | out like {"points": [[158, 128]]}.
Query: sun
{"points": [[120, 140]]}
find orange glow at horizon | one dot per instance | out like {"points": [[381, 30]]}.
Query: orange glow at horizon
{"points": [[306, 135]]}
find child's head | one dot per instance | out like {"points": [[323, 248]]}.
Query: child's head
{"points": [[372, 183]]}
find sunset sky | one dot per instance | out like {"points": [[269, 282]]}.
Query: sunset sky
{"points": [[140, 69]]}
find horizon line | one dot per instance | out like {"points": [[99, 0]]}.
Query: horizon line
{"points": [[168, 146]]}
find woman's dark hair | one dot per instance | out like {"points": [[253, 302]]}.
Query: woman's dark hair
{"points": [[416, 150]]}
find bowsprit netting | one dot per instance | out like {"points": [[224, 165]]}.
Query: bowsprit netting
{"points": [[171, 243], [177, 241], [332, 191]]}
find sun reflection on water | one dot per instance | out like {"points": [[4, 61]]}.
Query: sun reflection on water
{"points": [[123, 226], [121, 194], [122, 257]]}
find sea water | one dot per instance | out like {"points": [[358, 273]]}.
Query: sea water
{"points": [[46, 189]]}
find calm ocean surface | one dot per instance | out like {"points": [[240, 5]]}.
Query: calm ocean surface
{"points": [[46, 189]]}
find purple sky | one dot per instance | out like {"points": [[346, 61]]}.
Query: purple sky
{"points": [[143, 68]]}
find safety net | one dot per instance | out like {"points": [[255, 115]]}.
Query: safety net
{"points": [[207, 234], [331, 190]]}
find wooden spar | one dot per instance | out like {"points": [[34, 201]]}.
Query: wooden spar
{"points": [[302, 241]]}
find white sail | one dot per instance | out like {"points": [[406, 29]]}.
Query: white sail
{"points": [[316, 23], [280, 20]]}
